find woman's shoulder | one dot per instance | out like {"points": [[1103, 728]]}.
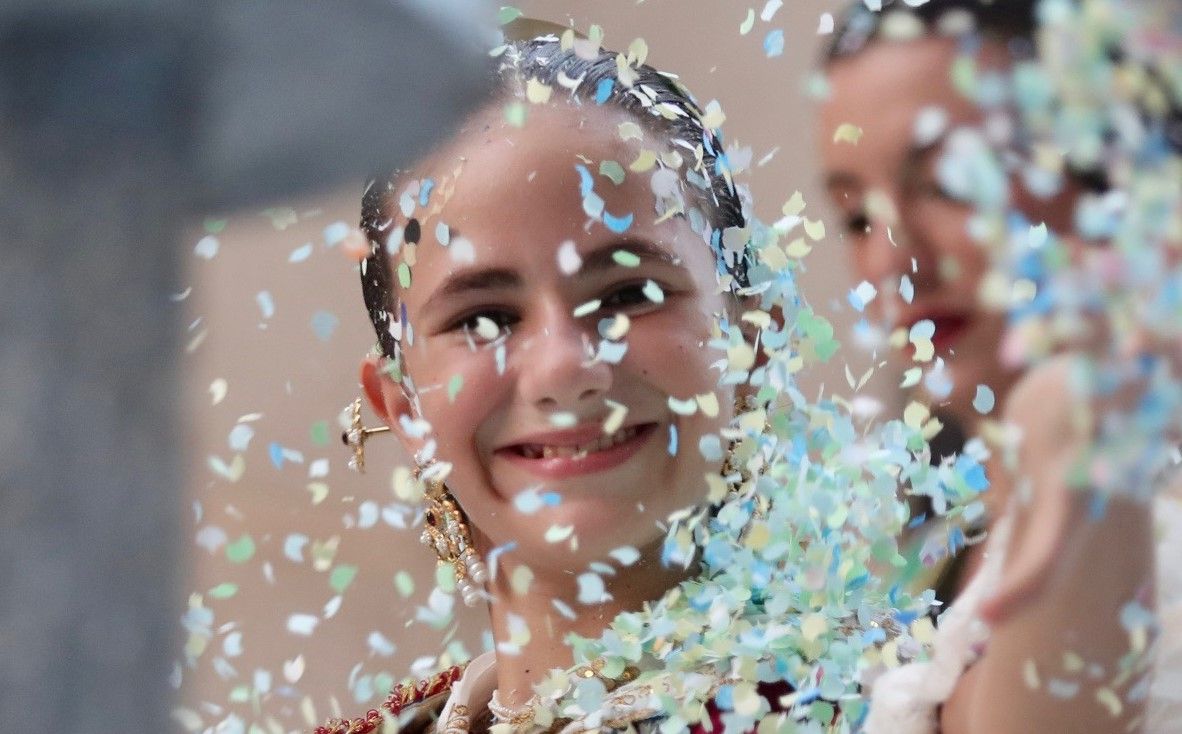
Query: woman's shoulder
{"points": [[415, 705]]}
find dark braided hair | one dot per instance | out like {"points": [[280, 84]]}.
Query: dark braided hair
{"points": [[657, 102]]}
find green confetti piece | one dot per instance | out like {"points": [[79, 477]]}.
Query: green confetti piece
{"points": [[319, 433], [404, 583], [223, 591], [626, 259], [515, 114], [613, 170], [341, 577], [748, 22], [403, 275], [241, 550], [508, 14], [215, 226], [453, 387]]}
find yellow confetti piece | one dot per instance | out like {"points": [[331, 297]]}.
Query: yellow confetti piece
{"points": [[740, 356], [645, 160], [319, 492], [630, 131], [537, 92], [638, 52], [813, 626], [814, 228], [1030, 675], [615, 418], [708, 404], [847, 133], [915, 414], [923, 630], [1109, 700], [794, 206], [798, 248], [520, 580], [714, 116], [404, 485]]}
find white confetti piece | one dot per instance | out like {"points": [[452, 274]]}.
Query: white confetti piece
{"points": [[825, 24], [293, 669], [569, 261], [207, 247], [302, 624], [217, 390]]}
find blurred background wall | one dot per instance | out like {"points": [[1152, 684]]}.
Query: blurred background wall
{"points": [[298, 610]]}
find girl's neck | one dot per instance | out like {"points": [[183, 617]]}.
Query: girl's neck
{"points": [[518, 672]]}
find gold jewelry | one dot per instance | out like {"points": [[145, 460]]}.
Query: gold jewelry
{"points": [[446, 531], [357, 435]]}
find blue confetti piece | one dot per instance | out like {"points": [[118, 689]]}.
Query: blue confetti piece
{"points": [[603, 91], [551, 499], [324, 323], [616, 224], [425, 193], [586, 182], [672, 440], [275, 451], [335, 233], [984, 400], [773, 43]]}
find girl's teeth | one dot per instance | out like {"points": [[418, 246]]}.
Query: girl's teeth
{"points": [[537, 451]]}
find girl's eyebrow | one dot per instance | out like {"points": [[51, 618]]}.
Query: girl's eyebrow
{"points": [[604, 256], [472, 280]]}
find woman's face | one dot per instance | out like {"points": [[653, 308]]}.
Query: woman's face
{"points": [[508, 360], [899, 221]]}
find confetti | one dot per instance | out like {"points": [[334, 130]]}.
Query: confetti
{"points": [[983, 401], [301, 253], [748, 22], [207, 247], [569, 261], [773, 43], [847, 133]]}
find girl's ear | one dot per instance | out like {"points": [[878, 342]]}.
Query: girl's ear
{"points": [[387, 398]]}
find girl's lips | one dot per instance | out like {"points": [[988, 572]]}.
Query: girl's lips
{"points": [[949, 329], [561, 467]]}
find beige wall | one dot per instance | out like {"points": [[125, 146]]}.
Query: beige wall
{"points": [[277, 367]]}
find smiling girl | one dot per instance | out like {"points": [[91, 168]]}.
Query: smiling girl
{"points": [[583, 341]]}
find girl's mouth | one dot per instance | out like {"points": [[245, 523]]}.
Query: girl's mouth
{"points": [[567, 458]]}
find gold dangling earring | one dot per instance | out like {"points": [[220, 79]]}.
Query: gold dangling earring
{"points": [[446, 531], [356, 436]]}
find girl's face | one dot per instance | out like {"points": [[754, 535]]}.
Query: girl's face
{"points": [[888, 179], [508, 359]]}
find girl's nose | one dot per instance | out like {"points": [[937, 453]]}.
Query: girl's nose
{"points": [[559, 371]]}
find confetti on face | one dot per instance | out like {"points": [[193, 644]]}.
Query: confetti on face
{"points": [[847, 133]]}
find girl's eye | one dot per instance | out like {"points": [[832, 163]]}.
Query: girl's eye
{"points": [[485, 325], [858, 224], [626, 296]]}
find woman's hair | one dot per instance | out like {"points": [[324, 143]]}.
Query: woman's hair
{"points": [[655, 99], [1010, 22]]}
